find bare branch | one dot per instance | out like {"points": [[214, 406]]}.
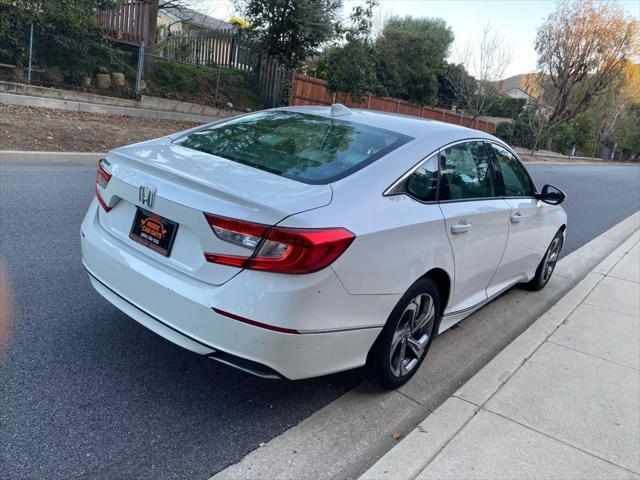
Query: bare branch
{"points": [[582, 46], [486, 64]]}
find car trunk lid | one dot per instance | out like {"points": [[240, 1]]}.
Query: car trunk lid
{"points": [[186, 183]]}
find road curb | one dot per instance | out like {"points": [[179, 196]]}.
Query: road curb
{"points": [[49, 157], [345, 438], [402, 463]]}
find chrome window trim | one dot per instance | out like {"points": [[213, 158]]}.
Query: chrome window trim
{"points": [[389, 192], [518, 159], [403, 177]]}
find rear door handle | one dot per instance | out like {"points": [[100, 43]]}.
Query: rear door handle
{"points": [[516, 217], [461, 227]]}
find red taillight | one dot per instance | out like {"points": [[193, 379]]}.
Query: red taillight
{"points": [[102, 180], [279, 249], [289, 250]]}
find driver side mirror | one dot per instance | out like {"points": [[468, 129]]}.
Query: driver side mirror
{"points": [[552, 195]]}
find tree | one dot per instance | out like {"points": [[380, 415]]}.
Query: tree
{"points": [[291, 30], [627, 136], [412, 53], [447, 94], [609, 109], [503, 106], [578, 133], [350, 67], [581, 48], [486, 64]]}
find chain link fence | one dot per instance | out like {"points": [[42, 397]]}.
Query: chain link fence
{"points": [[52, 58], [38, 56]]}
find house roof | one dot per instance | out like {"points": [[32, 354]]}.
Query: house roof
{"points": [[198, 19], [525, 82]]}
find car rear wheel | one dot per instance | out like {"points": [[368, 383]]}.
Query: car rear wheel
{"points": [[547, 264], [403, 343]]}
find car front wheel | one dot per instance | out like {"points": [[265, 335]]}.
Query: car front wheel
{"points": [[547, 264], [403, 343]]}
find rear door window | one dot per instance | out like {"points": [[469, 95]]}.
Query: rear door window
{"points": [[467, 172], [309, 148]]}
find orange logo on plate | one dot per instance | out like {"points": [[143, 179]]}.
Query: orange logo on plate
{"points": [[153, 228]]}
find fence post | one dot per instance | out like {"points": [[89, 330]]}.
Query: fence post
{"points": [[140, 68], [215, 98], [30, 54]]}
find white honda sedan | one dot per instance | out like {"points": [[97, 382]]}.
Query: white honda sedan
{"points": [[303, 241]]}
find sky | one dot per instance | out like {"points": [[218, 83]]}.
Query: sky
{"points": [[515, 20]]}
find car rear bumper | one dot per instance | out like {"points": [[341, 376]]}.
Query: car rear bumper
{"points": [[337, 329]]}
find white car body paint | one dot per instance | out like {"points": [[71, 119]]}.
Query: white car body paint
{"points": [[338, 311]]}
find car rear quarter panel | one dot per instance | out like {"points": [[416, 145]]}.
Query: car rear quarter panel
{"points": [[398, 240]]}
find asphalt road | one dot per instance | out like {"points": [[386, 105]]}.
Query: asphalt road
{"points": [[87, 392]]}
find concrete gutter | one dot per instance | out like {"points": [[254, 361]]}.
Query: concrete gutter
{"points": [[345, 438], [83, 158]]}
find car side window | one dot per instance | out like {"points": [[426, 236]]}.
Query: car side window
{"points": [[423, 183], [467, 172], [517, 182]]}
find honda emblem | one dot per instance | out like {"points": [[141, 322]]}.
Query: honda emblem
{"points": [[147, 196]]}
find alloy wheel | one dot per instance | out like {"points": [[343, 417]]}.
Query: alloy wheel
{"points": [[412, 334], [552, 258]]}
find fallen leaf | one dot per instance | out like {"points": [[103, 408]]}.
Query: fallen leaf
{"points": [[396, 435]]}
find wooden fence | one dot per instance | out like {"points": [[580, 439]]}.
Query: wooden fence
{"points": [[228, 48], [313, 91], [131, 22], [128, 22], [273, 80], [207, 47]]}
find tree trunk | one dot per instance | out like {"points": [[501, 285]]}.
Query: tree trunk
{"points": [[537, 141]]}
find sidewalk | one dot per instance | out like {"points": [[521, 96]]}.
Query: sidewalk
{"points": [[561, 401]]}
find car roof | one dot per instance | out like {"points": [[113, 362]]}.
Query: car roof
{"points": [[405, 124]]}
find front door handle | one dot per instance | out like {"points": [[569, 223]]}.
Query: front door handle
{"points": [[516, 217], [461, 227]]}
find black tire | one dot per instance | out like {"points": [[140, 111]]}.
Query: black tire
{"points": [[547, 264], [390, 372]]}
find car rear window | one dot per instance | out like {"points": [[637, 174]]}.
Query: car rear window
{"points": [[309, 148]]}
